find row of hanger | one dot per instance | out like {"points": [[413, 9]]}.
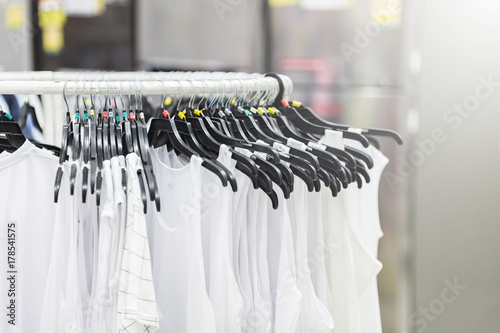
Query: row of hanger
{"points": [[264, 124], [281, 134]]}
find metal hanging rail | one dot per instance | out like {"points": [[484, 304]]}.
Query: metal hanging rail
{"points": [[150, 83]]}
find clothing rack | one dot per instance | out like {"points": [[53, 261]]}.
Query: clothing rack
{"points": [[150, 83]]}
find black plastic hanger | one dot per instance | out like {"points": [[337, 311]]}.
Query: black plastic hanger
{"points": [[141, 149], [99, 159], [65, 142], [93, 146], [304, 124], [373, 142], [243, 163], [106, 146], [127, 130], [143, 144], [327, 157], [273, 172], [12, 131], [287, 174], [308, 114], [360, 155], [310, 171], [287, 180], [86, 155], [75, 151], [168, 126], [304, 175], [362, 171], [185, 129], [26, 110]]}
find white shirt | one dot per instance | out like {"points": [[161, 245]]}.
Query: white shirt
{"points": [[26, 208], [137, 307]]}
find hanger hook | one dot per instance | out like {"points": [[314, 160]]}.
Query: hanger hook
{"points": [[203, 96], [220, 93], [140, 94], [233, 96], [78, 91], [163, 97], [251, 91], [114, 95], [223, 86], [216, 93], [182, 94], [121, 95], [242, 96], [191, 100], [258, 92], [64, 96], [164, 93]]}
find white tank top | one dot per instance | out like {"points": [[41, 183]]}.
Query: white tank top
{"points": [[260, 317], [216, 224], [62, 309], [120, 210], [316, 246], [178, 268], [282, 275], [350, 266], [314, 316], [103, 319], [366, 223], [240, 247]]}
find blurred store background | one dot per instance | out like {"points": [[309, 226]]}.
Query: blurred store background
{"points": [[398, 64]]}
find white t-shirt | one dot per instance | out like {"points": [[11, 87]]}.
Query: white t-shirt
{"points": [[27, 214], [178, 268], [136, 305]]}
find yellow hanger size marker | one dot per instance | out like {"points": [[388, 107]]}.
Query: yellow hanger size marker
{"points": [[271, 110], [198, 112], [296, 104], [182, 114], [261, 110]]}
